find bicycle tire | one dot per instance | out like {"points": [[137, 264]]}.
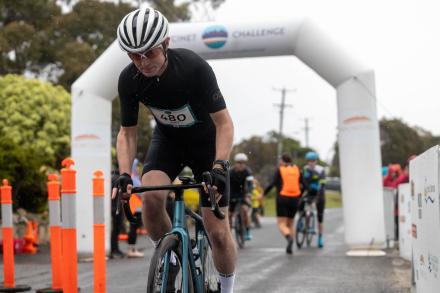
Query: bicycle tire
{"points": [[301, 231], [310, 228], [239, 230], [210, 275], [168, 243]]}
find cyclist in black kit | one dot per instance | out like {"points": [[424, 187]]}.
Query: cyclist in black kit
{"points": [[193, 127], [241, 191]]}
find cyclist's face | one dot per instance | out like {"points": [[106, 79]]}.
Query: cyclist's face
{"points": [[151, 62], [311, 163], [240, 165]]}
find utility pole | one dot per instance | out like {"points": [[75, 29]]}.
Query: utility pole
{"points": [[306, 131], [282, 106]]}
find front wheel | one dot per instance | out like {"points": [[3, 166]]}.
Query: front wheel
{"points": [[239, 230], [301, 230], [173, 278]]}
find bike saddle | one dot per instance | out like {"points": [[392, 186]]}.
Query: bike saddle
{"points": [[187, 180]]}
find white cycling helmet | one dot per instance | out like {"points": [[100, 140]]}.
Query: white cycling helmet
{"points": [[240, 157], [141, 30]]}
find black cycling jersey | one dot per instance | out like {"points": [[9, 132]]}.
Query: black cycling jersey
{"points": [[180, 99], [238, 184]]}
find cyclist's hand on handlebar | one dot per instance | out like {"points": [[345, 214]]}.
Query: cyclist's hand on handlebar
{"points": [[217, 184], [218, 179], [124, 185]]}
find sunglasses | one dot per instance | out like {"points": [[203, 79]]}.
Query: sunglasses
{"points": [[149, 54]]}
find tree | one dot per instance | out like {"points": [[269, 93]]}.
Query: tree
{"points": [[35, 115], [399, 141], [262, 153], [35, 135], [23, 169]]}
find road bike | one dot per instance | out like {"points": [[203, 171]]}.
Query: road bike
{"points": [[237, 223], [182, 262], [306, 224]]}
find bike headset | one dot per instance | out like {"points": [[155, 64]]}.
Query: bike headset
{"points": [[142, 30]]}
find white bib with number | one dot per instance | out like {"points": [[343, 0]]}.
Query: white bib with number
{"points": [[182, 117]]}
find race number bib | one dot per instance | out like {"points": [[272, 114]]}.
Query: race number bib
{"points": [[182, 117]]}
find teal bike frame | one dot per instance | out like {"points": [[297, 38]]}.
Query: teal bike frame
{"points": [[180, 229]]}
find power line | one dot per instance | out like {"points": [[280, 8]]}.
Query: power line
{"points": [[306, 131], [282, 106]]}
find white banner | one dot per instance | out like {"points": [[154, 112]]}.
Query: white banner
{"points": [[405, 221], [424, 180]]}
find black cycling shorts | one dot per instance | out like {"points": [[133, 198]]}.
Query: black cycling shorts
{"points": [[287, 206], [234, 201], [320, 205], [170, 157]]}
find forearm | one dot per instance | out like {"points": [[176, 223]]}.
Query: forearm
{"points": [[224, 138], [126, 146]]}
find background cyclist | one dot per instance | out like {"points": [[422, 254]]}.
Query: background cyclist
{"points": [[287, 180], [314, 178], [241, 189], [193, 127]]}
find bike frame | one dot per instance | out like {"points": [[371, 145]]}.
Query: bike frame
{"points": [[179, 228]]}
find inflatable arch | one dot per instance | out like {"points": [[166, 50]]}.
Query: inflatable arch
{"points": [[358, 130]]}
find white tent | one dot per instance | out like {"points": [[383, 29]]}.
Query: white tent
{"points": [[359, 148]]}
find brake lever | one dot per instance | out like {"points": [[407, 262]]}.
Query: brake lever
{"points": [[125, 207], [207, 178]]}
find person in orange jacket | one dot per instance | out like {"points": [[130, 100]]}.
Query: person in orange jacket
{"points": [[288, 182]]}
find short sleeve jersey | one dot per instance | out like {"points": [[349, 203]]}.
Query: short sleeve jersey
{"points": [[180, 100], [238, 184]]}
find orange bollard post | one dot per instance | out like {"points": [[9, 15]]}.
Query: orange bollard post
{"points": [[68, 212], [8, 241], [98, 233], [53, 189]]}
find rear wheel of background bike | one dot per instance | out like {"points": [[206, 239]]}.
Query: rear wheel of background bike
{"points": [[170, 243], [239, 230], [310, 228], [301, 231], [210, 275]]}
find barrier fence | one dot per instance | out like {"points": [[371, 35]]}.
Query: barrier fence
{"points": [[425, 220]]}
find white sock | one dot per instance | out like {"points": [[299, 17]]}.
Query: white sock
{"points": [[227, 283]]}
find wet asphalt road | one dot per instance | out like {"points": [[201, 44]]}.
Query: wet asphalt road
{"points": [[263, 266]]}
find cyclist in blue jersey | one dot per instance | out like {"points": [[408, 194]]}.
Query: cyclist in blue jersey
{"points": [[314, 178], [193, 128]]}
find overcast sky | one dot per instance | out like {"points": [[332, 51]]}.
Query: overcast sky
{"points": [[399, 39]]}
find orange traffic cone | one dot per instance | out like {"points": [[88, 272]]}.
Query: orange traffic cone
{"points": [[29, 239]]}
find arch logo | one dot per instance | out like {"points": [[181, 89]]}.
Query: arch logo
{"points": [[215, 36]]}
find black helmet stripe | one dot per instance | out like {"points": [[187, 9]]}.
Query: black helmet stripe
{"points": [[144, 27], [124, 33], [158, 35], [156, 27], [134, 27]]}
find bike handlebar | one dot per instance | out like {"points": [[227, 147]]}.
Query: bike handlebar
{"points": [[207, 179]]}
